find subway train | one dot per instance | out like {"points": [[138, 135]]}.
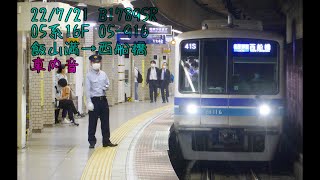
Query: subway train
{"points": [[229, 93]]}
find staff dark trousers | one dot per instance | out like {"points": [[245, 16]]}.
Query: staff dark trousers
{"points": [[165, 95], [69, 106], [153, 90], [101, 110]]}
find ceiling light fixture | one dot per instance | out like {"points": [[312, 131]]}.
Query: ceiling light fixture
{"points": [[81, 5]]}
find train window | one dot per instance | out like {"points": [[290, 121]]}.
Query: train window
{"points": [[244, 66], [189, 67], [213, 66], [254, 73]]}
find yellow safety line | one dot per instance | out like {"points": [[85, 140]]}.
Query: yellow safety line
{"points": [[99, 165]]}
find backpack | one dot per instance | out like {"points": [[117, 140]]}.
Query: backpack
{"points": [[139, 79], [171, 78]]}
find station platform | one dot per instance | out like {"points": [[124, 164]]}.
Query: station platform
{"points": [[141, 130], [62, 151]]}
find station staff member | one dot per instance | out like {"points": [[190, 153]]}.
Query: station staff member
{"points": [[97, 84]]}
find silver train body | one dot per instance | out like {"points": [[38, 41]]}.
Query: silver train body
{"points": [[222, 111]]}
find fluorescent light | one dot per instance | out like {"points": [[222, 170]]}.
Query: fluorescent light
{"points": [[154, 23], [176, 31], [125, 38], [82, 5], [127, 4]]}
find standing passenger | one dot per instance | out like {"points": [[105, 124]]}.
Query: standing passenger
{"points": [[152, 80], [164, 82], [136, 84], [97, 83]]}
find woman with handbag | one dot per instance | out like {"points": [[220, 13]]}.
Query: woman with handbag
{"points": [[61, 74], [65, 101]]}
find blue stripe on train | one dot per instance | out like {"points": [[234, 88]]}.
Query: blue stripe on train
{"points": [[225, 112], [223, 101]]}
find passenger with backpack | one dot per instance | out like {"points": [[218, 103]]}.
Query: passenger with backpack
{"points": [[171, 78]]}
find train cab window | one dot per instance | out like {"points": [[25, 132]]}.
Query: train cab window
{"points": [[254, 71], [189, 67], [213, 66]]}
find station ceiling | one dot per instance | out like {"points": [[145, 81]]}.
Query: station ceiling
{"points": [[186, 15]]}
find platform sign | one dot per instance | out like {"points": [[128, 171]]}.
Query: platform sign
{"points": [[165, 30], [157, 39], [169, 38], [150, 39], [166, 50]]}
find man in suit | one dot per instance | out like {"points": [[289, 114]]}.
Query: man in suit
{"points": [[164, 75], [153, 81]]}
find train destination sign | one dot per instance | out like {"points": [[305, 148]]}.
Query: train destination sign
{"points": [[164, 30], [252, 47]]}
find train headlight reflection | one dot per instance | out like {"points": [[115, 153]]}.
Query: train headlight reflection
{"points": [[264, 110], [192, 109]]}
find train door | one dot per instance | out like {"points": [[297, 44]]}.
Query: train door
{"points": [[213, 70]]}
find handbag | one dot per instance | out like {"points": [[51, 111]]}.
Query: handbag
{"points": [[72, 95]]}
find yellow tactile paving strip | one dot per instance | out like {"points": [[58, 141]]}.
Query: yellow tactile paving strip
{"points": [[99, 165]]}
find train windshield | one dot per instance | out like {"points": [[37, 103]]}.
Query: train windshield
{"points": [[233, 66], [189, 79]]}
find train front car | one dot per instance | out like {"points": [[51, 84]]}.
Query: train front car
{"points": [[228, 102]]}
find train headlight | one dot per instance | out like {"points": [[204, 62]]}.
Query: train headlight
{"points": [[192, 109], [264, 109]]}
